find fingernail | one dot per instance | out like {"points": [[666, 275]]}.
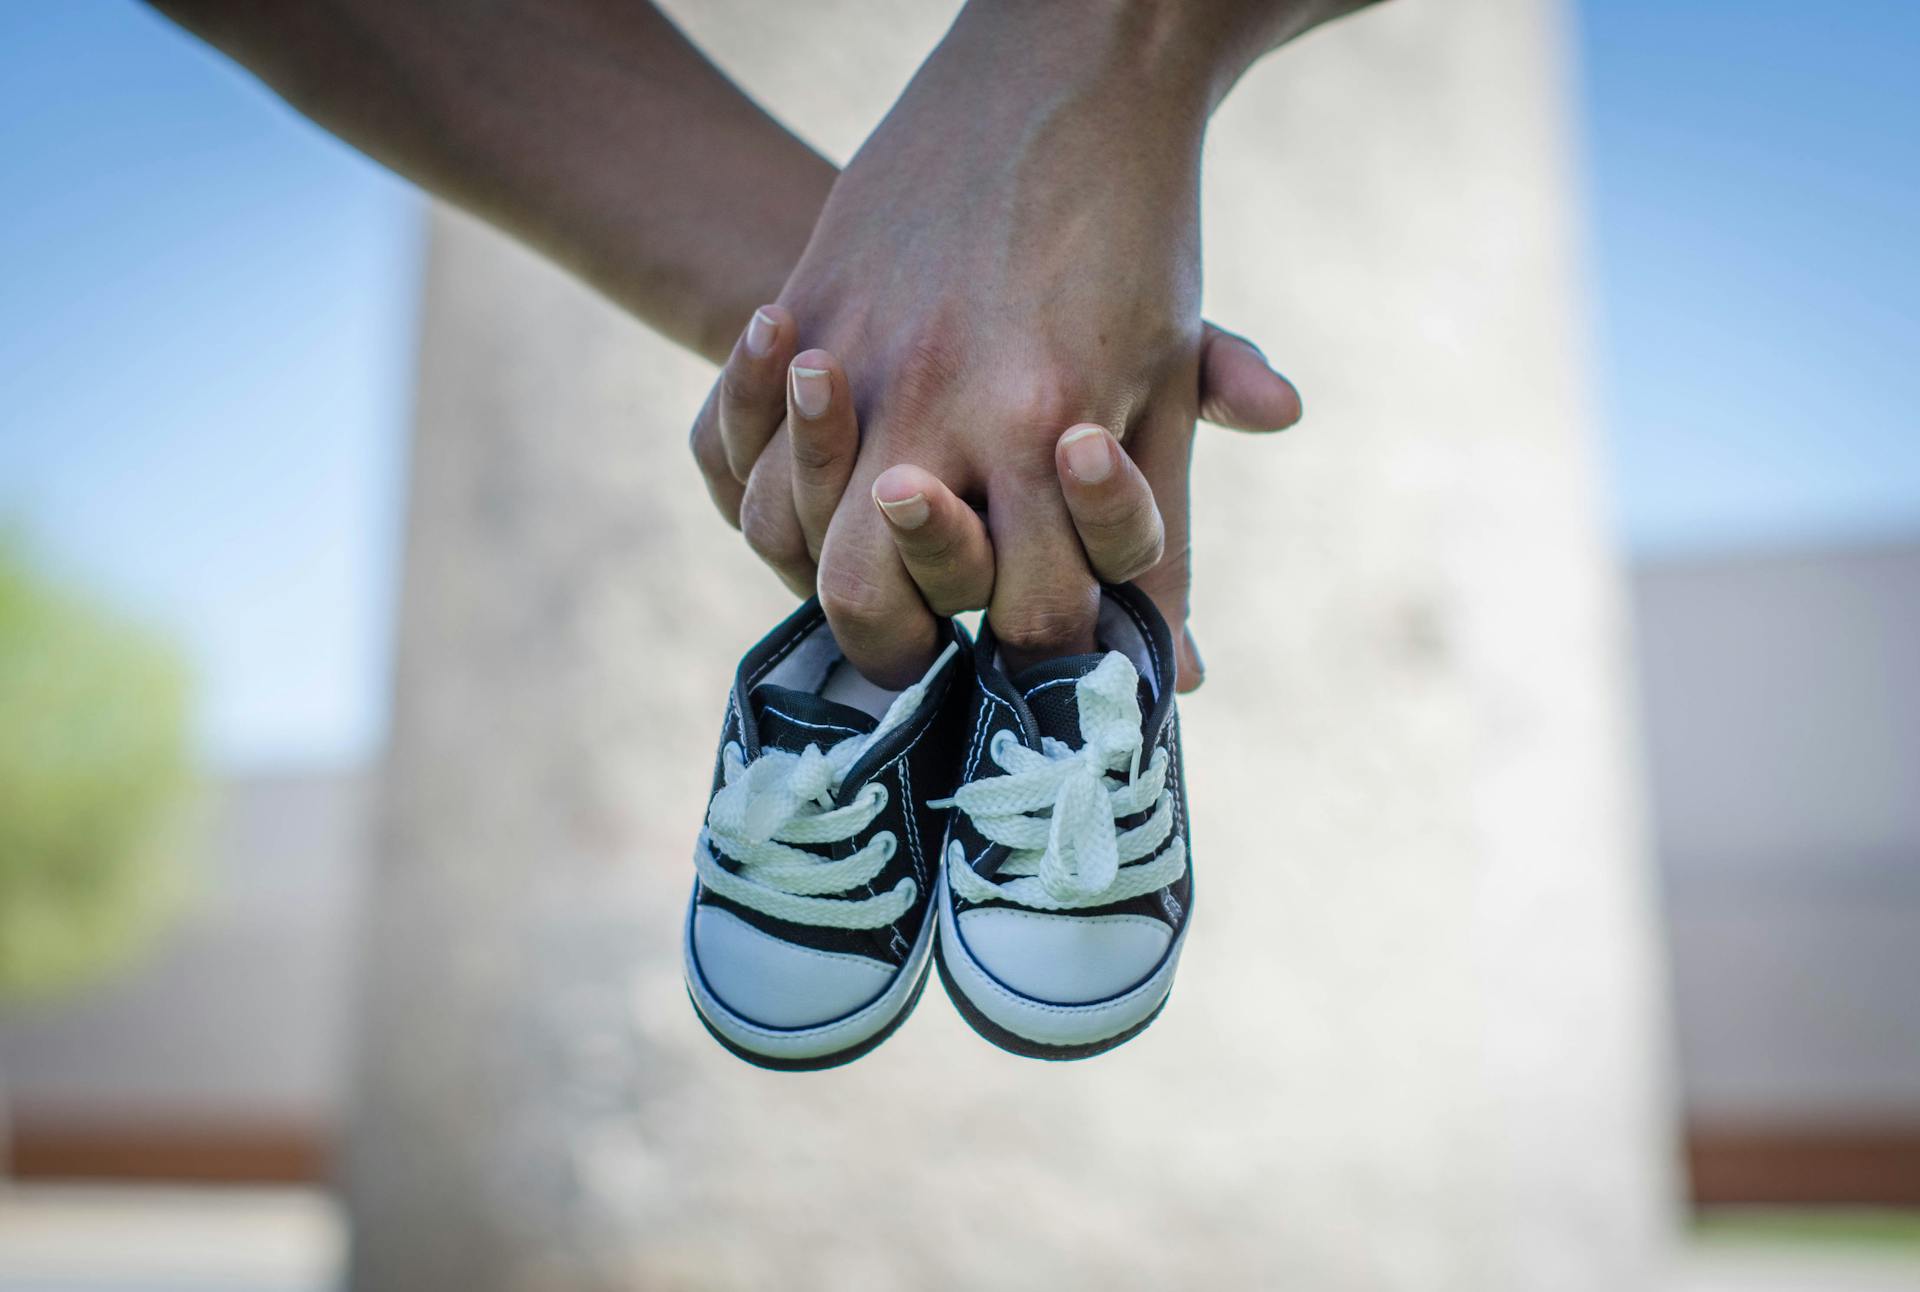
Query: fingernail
{"points": [[905, 513], [760, 331], [1089, 454], [812, 391]]}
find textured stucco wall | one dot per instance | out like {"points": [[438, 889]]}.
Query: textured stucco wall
{"points": [[1414, 1044]]}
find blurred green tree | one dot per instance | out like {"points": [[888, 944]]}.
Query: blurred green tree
{"points": [[95, 783]]}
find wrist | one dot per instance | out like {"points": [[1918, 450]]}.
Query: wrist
{"points": [[1179, 56], [1132, 57]]}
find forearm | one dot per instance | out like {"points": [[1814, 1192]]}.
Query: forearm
{"points": [[1180, 53], [595, 132]]}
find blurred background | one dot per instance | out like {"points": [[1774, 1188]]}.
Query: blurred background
{"points": [[343, 820]]}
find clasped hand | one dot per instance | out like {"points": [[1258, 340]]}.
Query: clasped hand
{"points": [[978, 387]]}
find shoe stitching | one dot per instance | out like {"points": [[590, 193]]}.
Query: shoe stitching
{"points": [[813, 726], [786, 649], [973, 762], [912, 821], [1165, 674], [979, 732]]}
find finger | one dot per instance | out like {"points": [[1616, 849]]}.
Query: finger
{"points": [[1167, 585], [1045, 600], [942, 541], [876, 613], [1111, 504], [768, 521], [1238, 389], [711, 458], [1193, 669], [1162, 448], [752, 388], [824, 437]]}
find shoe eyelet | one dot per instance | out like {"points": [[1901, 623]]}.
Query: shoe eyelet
{"points": [[880, 795], [999, 741], [888, 843]]}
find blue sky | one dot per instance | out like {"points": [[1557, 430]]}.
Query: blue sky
{"points": [[1755, 219], [207, 308], [206, 323]]}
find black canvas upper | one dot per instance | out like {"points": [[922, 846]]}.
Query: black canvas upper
{"points": [[1040, 703], [915, 762], [792, 720]]}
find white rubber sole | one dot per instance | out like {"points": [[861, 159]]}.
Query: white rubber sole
{"points": [[1038, 1028], [825, 1045]]}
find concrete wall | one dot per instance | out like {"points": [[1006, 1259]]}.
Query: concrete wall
{"points": [[1414, 1043]]}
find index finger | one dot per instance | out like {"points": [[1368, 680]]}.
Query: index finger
{"points": [[1111, 503], [878, 618], [1045, 599]]}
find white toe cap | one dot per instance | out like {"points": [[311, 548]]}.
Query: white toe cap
{"points": [[1064, 959], [778, 984]]}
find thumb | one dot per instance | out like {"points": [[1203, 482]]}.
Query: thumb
{"points": [[1238, 389]]}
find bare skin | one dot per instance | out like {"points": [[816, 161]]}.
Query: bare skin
{"points": [[593, 131], [997, 271], [1012, 254]]}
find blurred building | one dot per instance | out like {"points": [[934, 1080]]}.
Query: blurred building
{"points": [[1419, 1047], [1423, 1042], [1782, 725], [1425, 1034], [221, 1053], [1781, 709]]}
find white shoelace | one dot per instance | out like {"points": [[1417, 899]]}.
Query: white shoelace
{"points": [[1073, 855], [783, 798]]}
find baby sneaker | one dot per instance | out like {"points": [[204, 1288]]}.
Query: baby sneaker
{"points": [[1065, 892], [808, 935]]}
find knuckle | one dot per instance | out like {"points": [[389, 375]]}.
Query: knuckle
{"points": [[958, 593], [1168, 581], [948, 581], [741, 387], [933, 548], [1046, 627], [770, 536], [1049, 401], [933, 363], [1130, 563], [708, 453], [1125, 544], [853, 601], [814, 454]]}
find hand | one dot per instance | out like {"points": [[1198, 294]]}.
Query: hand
{"points": [[992, 273], [941, 545]]}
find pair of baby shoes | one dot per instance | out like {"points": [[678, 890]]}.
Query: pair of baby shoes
{"points": [[1027, 834]]}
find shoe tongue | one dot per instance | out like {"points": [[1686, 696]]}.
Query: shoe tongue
{"points": [[792, 720], [1050, 695]]}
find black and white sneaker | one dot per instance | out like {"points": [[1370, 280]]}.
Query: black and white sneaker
{"points": [[1065, 892], [808, 936]]}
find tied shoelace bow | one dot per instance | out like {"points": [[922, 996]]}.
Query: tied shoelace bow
{"points": [[783, 798], [1073, 854]]}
